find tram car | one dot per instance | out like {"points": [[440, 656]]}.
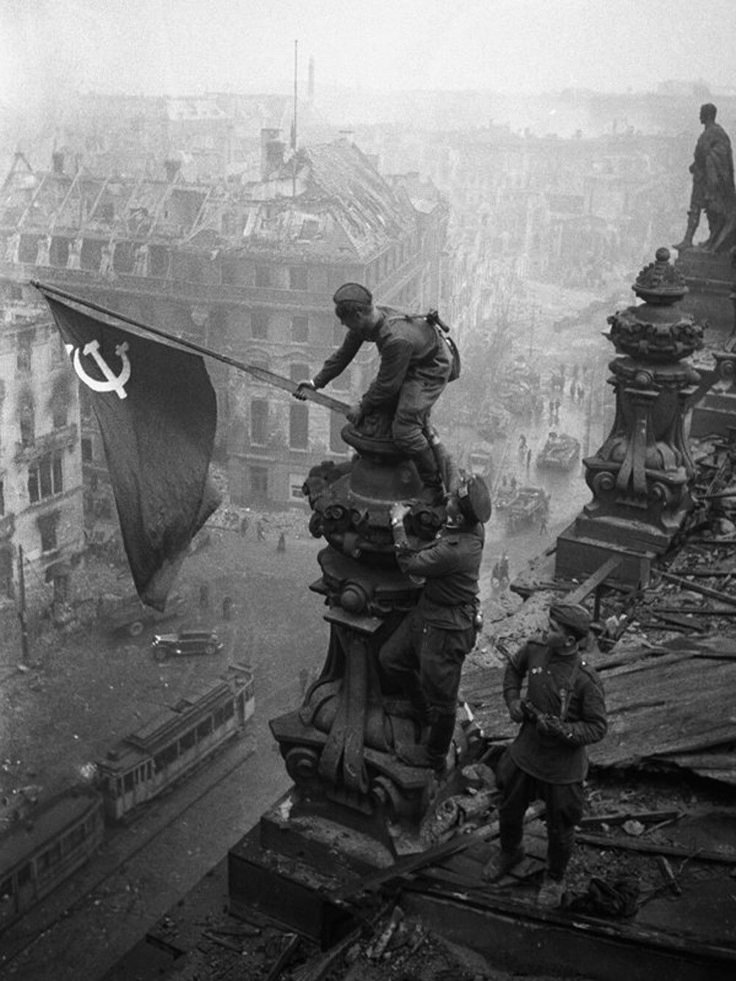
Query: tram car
{"points": [[145, 763], [45, 848]]}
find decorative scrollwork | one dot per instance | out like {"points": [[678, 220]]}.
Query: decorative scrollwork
{"points": [[661, 493], [644, 379], [603, 482], [302, 763]]}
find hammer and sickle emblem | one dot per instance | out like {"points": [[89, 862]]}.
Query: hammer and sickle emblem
{"points": [[113, 383]]}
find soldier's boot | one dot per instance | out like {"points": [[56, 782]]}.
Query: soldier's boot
{"points": [[693, 218], [412, 704], [419, 704], [440, 740], [433, 753], [501, 864], [429, 473]]}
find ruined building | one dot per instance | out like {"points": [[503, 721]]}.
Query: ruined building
{"points": [[246, 269]]}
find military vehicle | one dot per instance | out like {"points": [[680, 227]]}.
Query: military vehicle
{"points": [[528, 504], [560, 452]]}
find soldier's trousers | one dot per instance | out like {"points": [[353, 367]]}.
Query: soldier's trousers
{"points": [[563, 809], [411, 418], [434, 655]]}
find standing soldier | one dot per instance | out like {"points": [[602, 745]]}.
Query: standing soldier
{"points": [[564, 711], [424, 656], [416, 362]]}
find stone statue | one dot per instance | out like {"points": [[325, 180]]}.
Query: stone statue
{"points": [[713, 185]]}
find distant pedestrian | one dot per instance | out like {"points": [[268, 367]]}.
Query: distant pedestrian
{"points": [[513, 482], [204, 597], [543, 525], [244, 526], [260, 531], [227, 608], [281, 546]]}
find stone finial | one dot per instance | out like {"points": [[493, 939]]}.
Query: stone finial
{"points": [[659, 282]]}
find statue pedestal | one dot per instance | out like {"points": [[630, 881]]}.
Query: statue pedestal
{"points": [[714, 415], [709, 277], [584, 546], [290, 868]]}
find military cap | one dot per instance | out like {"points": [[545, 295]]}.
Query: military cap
{"points": [[474, 499], [573, 616], [352, 293]]}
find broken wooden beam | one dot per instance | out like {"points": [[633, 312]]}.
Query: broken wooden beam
{"points": [[669, 876], [620, 817], [595, 579], [655, 848], [695, 588]]}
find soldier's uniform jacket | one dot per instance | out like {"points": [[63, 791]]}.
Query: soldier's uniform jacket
{"points": [[409, 347], [450, 566], [582, 706]]}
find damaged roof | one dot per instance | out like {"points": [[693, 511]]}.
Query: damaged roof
{"points": [[343, 209], [666, 653], [327, 202]]}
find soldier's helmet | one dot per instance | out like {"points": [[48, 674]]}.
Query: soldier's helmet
{"points": [[474, 499]]}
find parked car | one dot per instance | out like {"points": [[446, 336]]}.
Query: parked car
{"points": [[128, 615], [185, 642]]}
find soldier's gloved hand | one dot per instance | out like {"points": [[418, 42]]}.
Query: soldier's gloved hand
{"points": [[355, 414], [515, 710], [302, 388]]}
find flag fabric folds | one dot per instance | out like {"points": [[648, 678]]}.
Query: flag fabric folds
{"points": [[157, 415]]}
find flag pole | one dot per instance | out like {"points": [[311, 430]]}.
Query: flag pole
{"points": [[262, 374], [293, 127]]}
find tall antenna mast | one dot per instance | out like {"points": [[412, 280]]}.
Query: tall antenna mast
{"points": [[293, 125]]}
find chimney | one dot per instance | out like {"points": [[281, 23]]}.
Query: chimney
{"points": [[57, 162], [272, 152]]}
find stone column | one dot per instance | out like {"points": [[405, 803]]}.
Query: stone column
{"points": [[640, 477]]}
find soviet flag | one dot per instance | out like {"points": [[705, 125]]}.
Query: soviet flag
{"points": [[157, 415]]}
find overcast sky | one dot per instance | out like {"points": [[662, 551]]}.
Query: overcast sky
{"points": [[190, 46]]}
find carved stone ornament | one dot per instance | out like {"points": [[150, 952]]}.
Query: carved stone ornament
{"points": [[656, 330], [643, 470]]}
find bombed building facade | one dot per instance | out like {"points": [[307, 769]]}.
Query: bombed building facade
{"points": [[246, 269]]}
